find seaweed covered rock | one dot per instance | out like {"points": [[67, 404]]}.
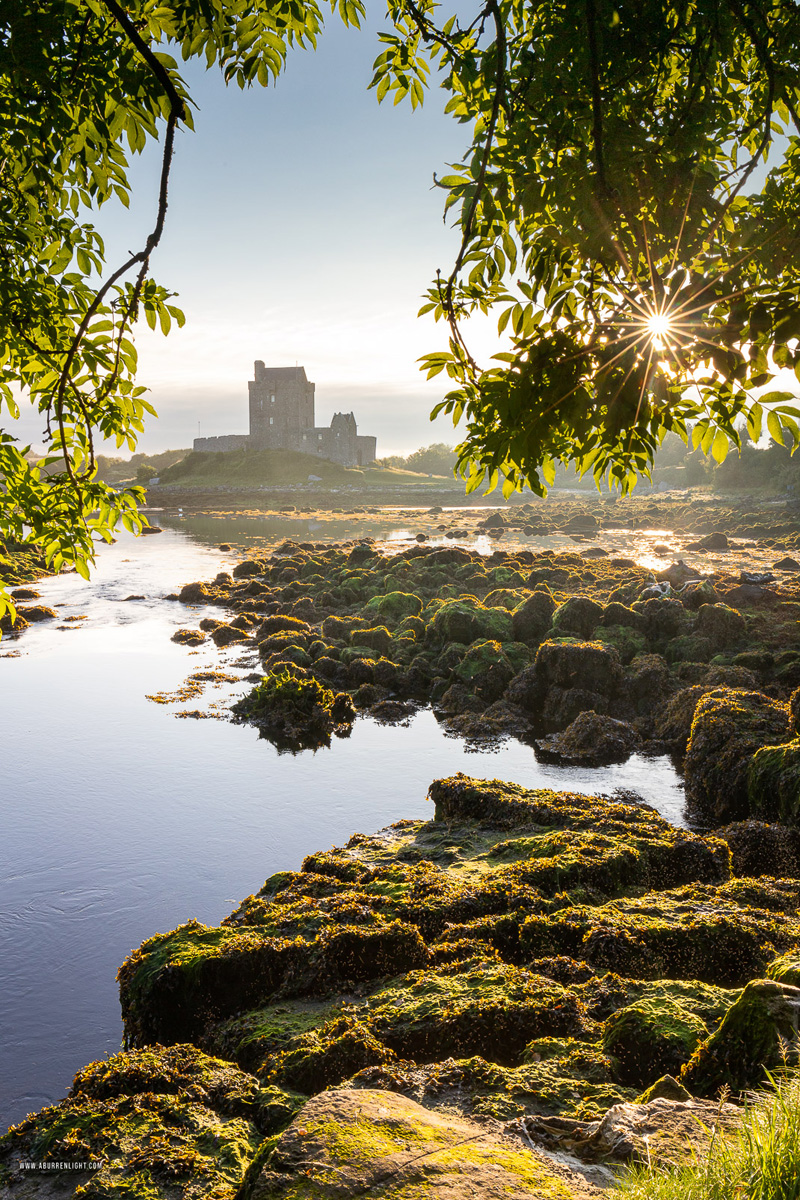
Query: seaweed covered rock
{"points": [[773, 783], [758, 1032], [532, 618], [466, 621], [653, 1036], [578, 615], [294, 710], [161, 1122], [758, 848], [690, 933], [729, 726], [486, 668], [373, 1142], [592, 739], [723, 626]]}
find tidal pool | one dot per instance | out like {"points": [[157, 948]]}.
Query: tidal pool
{"points": [[120, 821]]}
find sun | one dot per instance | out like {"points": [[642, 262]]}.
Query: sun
{"points": [[658, 326]]}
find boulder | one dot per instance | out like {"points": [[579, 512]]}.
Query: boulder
{"points": [[392, 608], [773, 783], [466, 621], [533, 617], [619, 614], [379, 638], [723, 626], [486, 669], [578, 615], [652, 1037], [697, 593], [370, 1142], [757, 1033], [591, 666], [729, 726], [592, 739], [646, 677], [760, 849], [563, 705], [663, 617], [662, 1131], [226, 635]]}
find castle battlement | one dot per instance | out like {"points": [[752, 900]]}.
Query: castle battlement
{"points": [[281, 407]]}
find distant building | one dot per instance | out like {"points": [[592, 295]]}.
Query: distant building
{"points": [[282, 418]]}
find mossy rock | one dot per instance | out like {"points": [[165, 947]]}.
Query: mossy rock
{"points": [[673, 720], [626, 641], [691, 933], [619, 614], [785, 968], [486, 669], [689, 647], [578, 615], [723, 626], [773, 783], [467, 621], [761, 848], [592, 739], [378, 638], [757, 1033], [664, 618], [729, 726], [533, 617], [292, 708], [591, 666], [392, 608], [650, 1038], [175, 983], [162, 1123], [507, 598], [350, 1142]]}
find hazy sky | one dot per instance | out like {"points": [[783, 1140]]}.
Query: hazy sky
{"points": [[302, 227]]}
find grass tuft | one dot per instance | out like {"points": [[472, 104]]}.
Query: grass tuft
{"points": [[760, 1162]]}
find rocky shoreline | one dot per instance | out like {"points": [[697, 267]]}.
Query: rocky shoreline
{"points": [[521, 994]]}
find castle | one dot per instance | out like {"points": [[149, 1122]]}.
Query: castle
{"points": [[282, 418]]}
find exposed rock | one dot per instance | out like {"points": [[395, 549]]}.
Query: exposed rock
{"points": [[188, 637], [652, 1037], [729, 726], [660, 1131], [592, 739], [367, 1142], [759, 1031], [761, 849]]}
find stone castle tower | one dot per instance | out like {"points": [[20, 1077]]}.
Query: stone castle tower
{"points": [[282, 418]]}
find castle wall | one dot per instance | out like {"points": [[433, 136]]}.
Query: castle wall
{"points": [[228, 441], [366, 449]]}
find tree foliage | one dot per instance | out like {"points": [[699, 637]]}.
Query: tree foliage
{"points": [[615, 205], [84, 85], [617, 216]]}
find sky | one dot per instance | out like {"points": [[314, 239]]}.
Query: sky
{"points": [[303, 227]]}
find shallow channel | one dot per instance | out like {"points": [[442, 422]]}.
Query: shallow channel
{"points": [[120, 821]]}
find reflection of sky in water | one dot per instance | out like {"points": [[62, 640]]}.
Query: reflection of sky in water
{"points": [[120, 821]]}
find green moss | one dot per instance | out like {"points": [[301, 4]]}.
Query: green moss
{"points": [[466, 621], [773, 783], [626, 641], [785, 968], [758, 1032], [393, 607], [652, 1037], [729, 726]]}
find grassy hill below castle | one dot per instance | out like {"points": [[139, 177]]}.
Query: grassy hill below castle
{"points": [[264, 468]]}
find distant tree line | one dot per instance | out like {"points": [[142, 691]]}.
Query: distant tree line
{"points": [[437, 459]]}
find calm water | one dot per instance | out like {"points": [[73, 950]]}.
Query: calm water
{"points": [[120, 821]]}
